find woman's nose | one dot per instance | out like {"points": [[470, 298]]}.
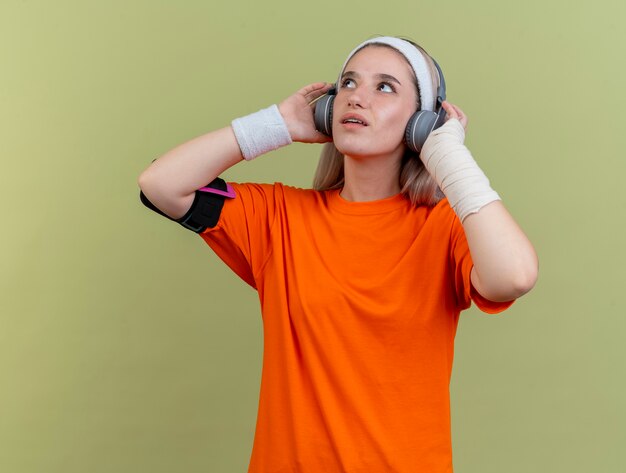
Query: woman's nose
{"points": [[358, 98]]}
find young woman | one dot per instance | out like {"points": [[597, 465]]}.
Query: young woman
{"points": [[361, 280]]}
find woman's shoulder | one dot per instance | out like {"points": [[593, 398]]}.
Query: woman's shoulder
{"points": [[275, 188], [443, 217], [277, 192]]}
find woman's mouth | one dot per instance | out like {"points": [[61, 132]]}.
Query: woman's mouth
{"points": [[352, 119]]}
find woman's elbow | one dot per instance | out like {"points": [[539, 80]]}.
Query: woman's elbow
{"points": [[148, 186], [525, 280], [502, 286], [173, 206], [521, 280], [146, 179]]}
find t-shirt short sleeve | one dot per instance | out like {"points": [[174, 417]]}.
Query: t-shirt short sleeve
{"points": [[241, 237], [463, 264]]}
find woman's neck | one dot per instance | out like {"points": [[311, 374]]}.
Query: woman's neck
{"points": [[367, 179]]}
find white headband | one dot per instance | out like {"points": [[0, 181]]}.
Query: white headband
{"points": [[416, 60]]}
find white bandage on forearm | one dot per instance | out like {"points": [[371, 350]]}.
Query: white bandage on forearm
{"points": [[261, 132], [452, 166]]}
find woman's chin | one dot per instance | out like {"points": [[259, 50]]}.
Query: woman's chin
{"points": [[363, 152], [349, 148], [360, 147]]}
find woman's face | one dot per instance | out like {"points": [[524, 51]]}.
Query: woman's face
{"points": [[375, 99]]}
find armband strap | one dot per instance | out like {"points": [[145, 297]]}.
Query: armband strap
{"points": [[206, 207]]}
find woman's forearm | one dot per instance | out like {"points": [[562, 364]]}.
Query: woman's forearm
{"points": [[505, 262], [170, 182]]}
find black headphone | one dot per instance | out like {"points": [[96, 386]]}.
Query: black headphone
{"points": [[420, 125]]}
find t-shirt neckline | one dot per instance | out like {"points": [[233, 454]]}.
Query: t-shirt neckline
{"points": [[366, 208]]}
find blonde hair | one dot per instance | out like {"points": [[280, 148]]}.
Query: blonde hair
{"points": [[415, 181]]}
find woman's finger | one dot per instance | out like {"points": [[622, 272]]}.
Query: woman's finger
{"points": [[450, 110], [313, 91]]}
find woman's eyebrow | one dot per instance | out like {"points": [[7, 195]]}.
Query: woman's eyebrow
{"points": [[379, 76], [350, 75], [388, 77]]}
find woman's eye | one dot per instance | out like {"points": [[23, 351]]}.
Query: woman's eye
{"points": [[349, 83], [384, 87]]}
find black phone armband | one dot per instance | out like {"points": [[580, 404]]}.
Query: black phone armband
{"points": [[206, 207]]}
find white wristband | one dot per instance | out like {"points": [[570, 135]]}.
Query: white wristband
{"points": [[452, 166], [261, 132]]}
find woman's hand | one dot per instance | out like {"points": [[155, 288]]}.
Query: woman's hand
{"points": [[298, 114], [455, 112]]}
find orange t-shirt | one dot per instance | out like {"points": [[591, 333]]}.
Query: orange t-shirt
{"points": [[360, 304]]}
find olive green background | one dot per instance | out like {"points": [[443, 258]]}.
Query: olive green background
{"points": [[127, 346]]}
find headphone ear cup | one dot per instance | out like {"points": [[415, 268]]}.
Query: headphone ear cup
{"points": [[323, 115], [419, 127]]}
